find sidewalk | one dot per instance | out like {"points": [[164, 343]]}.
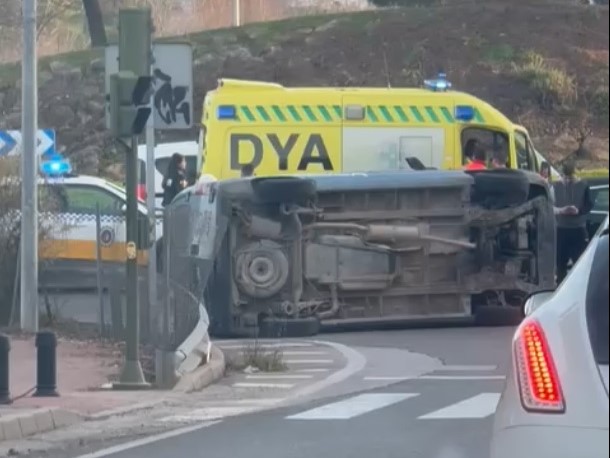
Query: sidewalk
{"points": [[83, 368]]}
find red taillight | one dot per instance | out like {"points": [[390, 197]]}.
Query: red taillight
{"points": [[141, 192], [539, 384]]}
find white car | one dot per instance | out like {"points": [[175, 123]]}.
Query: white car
{"points": [[555, 402]]}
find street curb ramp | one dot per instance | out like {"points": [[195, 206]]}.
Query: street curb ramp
{"points": [[18, 424]]}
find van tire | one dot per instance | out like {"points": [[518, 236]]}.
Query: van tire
{"points": [[272, 327], [279, 190], [500, 188], [217, 293], [497, 315]]}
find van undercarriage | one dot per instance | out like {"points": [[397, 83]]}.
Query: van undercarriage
{"points": [[369, 248]]}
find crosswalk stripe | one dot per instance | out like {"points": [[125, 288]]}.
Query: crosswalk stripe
{"points": [[283, 386], [314, 370], [304, 353], [352, 407], [480, 406], [279, 377], [308, 361]]}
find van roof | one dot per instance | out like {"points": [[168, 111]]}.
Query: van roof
{"points": [[236, 87]]}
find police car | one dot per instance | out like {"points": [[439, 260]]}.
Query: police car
{"points": [[68, 252]]}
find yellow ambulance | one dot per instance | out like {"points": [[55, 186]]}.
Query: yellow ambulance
{"points": [[279, 130]]}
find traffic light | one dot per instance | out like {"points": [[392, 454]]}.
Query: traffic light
{"points": [[135, 40], [129, 98]]}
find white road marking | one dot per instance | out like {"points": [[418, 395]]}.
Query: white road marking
{"points": [[462, 377], [304, 353], [279, 377], [466, 368], [309, 361], [480, 406], [314, 370], [147, 440], [352, 407], [241, 346], [282, 386], [433, 377], [387, 379]]}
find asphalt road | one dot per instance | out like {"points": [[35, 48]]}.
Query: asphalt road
{"points": [[445, 413]]}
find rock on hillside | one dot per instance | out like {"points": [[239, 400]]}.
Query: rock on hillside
{"points": [[544, 67]]}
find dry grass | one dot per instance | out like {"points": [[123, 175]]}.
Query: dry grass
{"points": [[555, 88], [258, 357]]}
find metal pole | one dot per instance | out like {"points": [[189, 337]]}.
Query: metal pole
{"points": [[132, 376], [98, 259], [236, 13], [150, 203], [29, 173]]}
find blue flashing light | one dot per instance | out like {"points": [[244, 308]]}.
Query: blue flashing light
{"points": [[226, 112], [464, 113], [55, 165], [440, 84]]}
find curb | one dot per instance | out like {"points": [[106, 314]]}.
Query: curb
{"points": [[203, 376], [15, 426]]}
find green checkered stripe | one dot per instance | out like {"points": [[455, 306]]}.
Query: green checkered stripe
{"points": [[375, 114]]}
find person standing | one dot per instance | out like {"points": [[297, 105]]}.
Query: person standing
{"points": [[174, 180], [574, 202], [499, 159]]}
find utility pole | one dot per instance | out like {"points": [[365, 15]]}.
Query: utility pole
{"points": [[150, 204], [130, 91], [236, 13], [29, 172]]}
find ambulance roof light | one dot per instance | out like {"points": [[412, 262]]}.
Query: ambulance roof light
{"points": [[440, 84], [226, 112], [464, 113], [54, 165]]}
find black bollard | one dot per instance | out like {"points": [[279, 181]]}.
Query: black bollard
{"points": [[5, 349], [46, 364]]}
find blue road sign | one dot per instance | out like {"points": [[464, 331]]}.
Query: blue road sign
{"points": [[10, 142]]}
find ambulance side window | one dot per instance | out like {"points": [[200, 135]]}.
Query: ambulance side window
{"points": [[525, 154], [83, 200]]}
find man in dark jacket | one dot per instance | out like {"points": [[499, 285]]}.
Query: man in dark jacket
{"points": [[573, 199]]}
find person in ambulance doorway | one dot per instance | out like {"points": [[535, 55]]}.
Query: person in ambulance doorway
{"points": [[175, 179], [573, 202], [478, 159]]}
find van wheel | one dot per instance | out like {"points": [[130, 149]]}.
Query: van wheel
{"points": [[217, 293], [284, 189], [497, 315], [272, 327], [500, 188]]}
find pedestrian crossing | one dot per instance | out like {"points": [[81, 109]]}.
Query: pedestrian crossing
{"points": [[479, 406]]}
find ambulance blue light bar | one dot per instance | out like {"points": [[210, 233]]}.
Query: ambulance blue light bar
{"points": [[226, 112], [464, 113], [55, 165], [440, 84]]}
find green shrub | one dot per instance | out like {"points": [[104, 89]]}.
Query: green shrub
{"points": [[554, 87]]}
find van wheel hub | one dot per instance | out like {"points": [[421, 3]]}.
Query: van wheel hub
{"points": [[261, 269]]}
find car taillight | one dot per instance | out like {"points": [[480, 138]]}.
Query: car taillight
{"points": [[538, 380], [141, 192]]}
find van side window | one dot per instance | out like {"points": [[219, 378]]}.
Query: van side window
{"points": [[83, 200], [490, 140], [525, 154]]}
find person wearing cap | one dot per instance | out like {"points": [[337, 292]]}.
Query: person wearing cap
{"points": [[574, 202]]}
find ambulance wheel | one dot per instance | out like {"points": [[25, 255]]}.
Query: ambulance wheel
{"points": [[217, 293], [284, 189], [497, 315], [500, 188], [273, 328]]}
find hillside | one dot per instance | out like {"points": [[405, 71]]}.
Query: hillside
{"points": [[545, 67]]}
